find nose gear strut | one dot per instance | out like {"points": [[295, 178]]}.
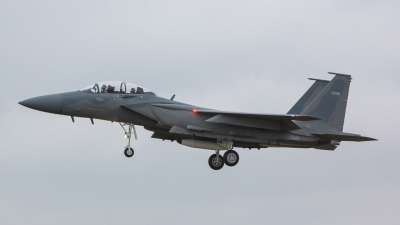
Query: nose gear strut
{"points": [[128, 134]]}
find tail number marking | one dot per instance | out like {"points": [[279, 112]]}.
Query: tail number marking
{"points": [[335, 93]]}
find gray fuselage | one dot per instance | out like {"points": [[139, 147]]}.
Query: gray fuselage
{"points": [[176, 122]]}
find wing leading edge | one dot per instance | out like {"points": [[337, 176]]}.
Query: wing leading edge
{"points": [[278, 117], [254, 120]]}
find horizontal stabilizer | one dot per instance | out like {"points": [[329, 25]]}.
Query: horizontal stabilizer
{"points": [[344, 137]]}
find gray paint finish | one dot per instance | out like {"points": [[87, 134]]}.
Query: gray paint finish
{"points": [[309, 96], [322, 120], [213, 54]]}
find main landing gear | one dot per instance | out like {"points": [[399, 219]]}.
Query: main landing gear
{"points": [[230, 158], [129, 152]]}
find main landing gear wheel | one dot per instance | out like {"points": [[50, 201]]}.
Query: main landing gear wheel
{"points": [[216, 163], [129, 152], [231, 158]]}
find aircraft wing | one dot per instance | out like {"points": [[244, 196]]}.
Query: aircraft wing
{"points": [[277, 117], [261, 121]]}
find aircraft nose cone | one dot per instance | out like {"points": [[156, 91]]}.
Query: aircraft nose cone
{"points": [[47, 103]]}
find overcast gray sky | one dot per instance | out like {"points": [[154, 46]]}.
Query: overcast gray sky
{"points": [[249, 56]]}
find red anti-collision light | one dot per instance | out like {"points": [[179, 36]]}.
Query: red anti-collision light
{"points": [[194, 111]]}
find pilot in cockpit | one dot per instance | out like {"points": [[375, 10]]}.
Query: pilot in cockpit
{"points": [[133, 91], [110, 89], [103, 88], [139, 90]]}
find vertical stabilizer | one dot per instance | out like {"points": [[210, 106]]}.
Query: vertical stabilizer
{"points": [[309, 96], [329, 105]]}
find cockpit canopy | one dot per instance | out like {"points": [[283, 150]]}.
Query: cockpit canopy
{"points": [[116, 87]]}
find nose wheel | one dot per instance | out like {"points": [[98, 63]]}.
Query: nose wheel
{"points": [[129, 152]]}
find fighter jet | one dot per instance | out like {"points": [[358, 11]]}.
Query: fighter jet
{"points": [[315, 121]]}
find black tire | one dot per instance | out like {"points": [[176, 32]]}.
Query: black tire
{"points": [[231, 158], [129, 152], [212, 162]]}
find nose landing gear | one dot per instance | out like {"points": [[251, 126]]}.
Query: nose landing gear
{"points": [[129, 152]]}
